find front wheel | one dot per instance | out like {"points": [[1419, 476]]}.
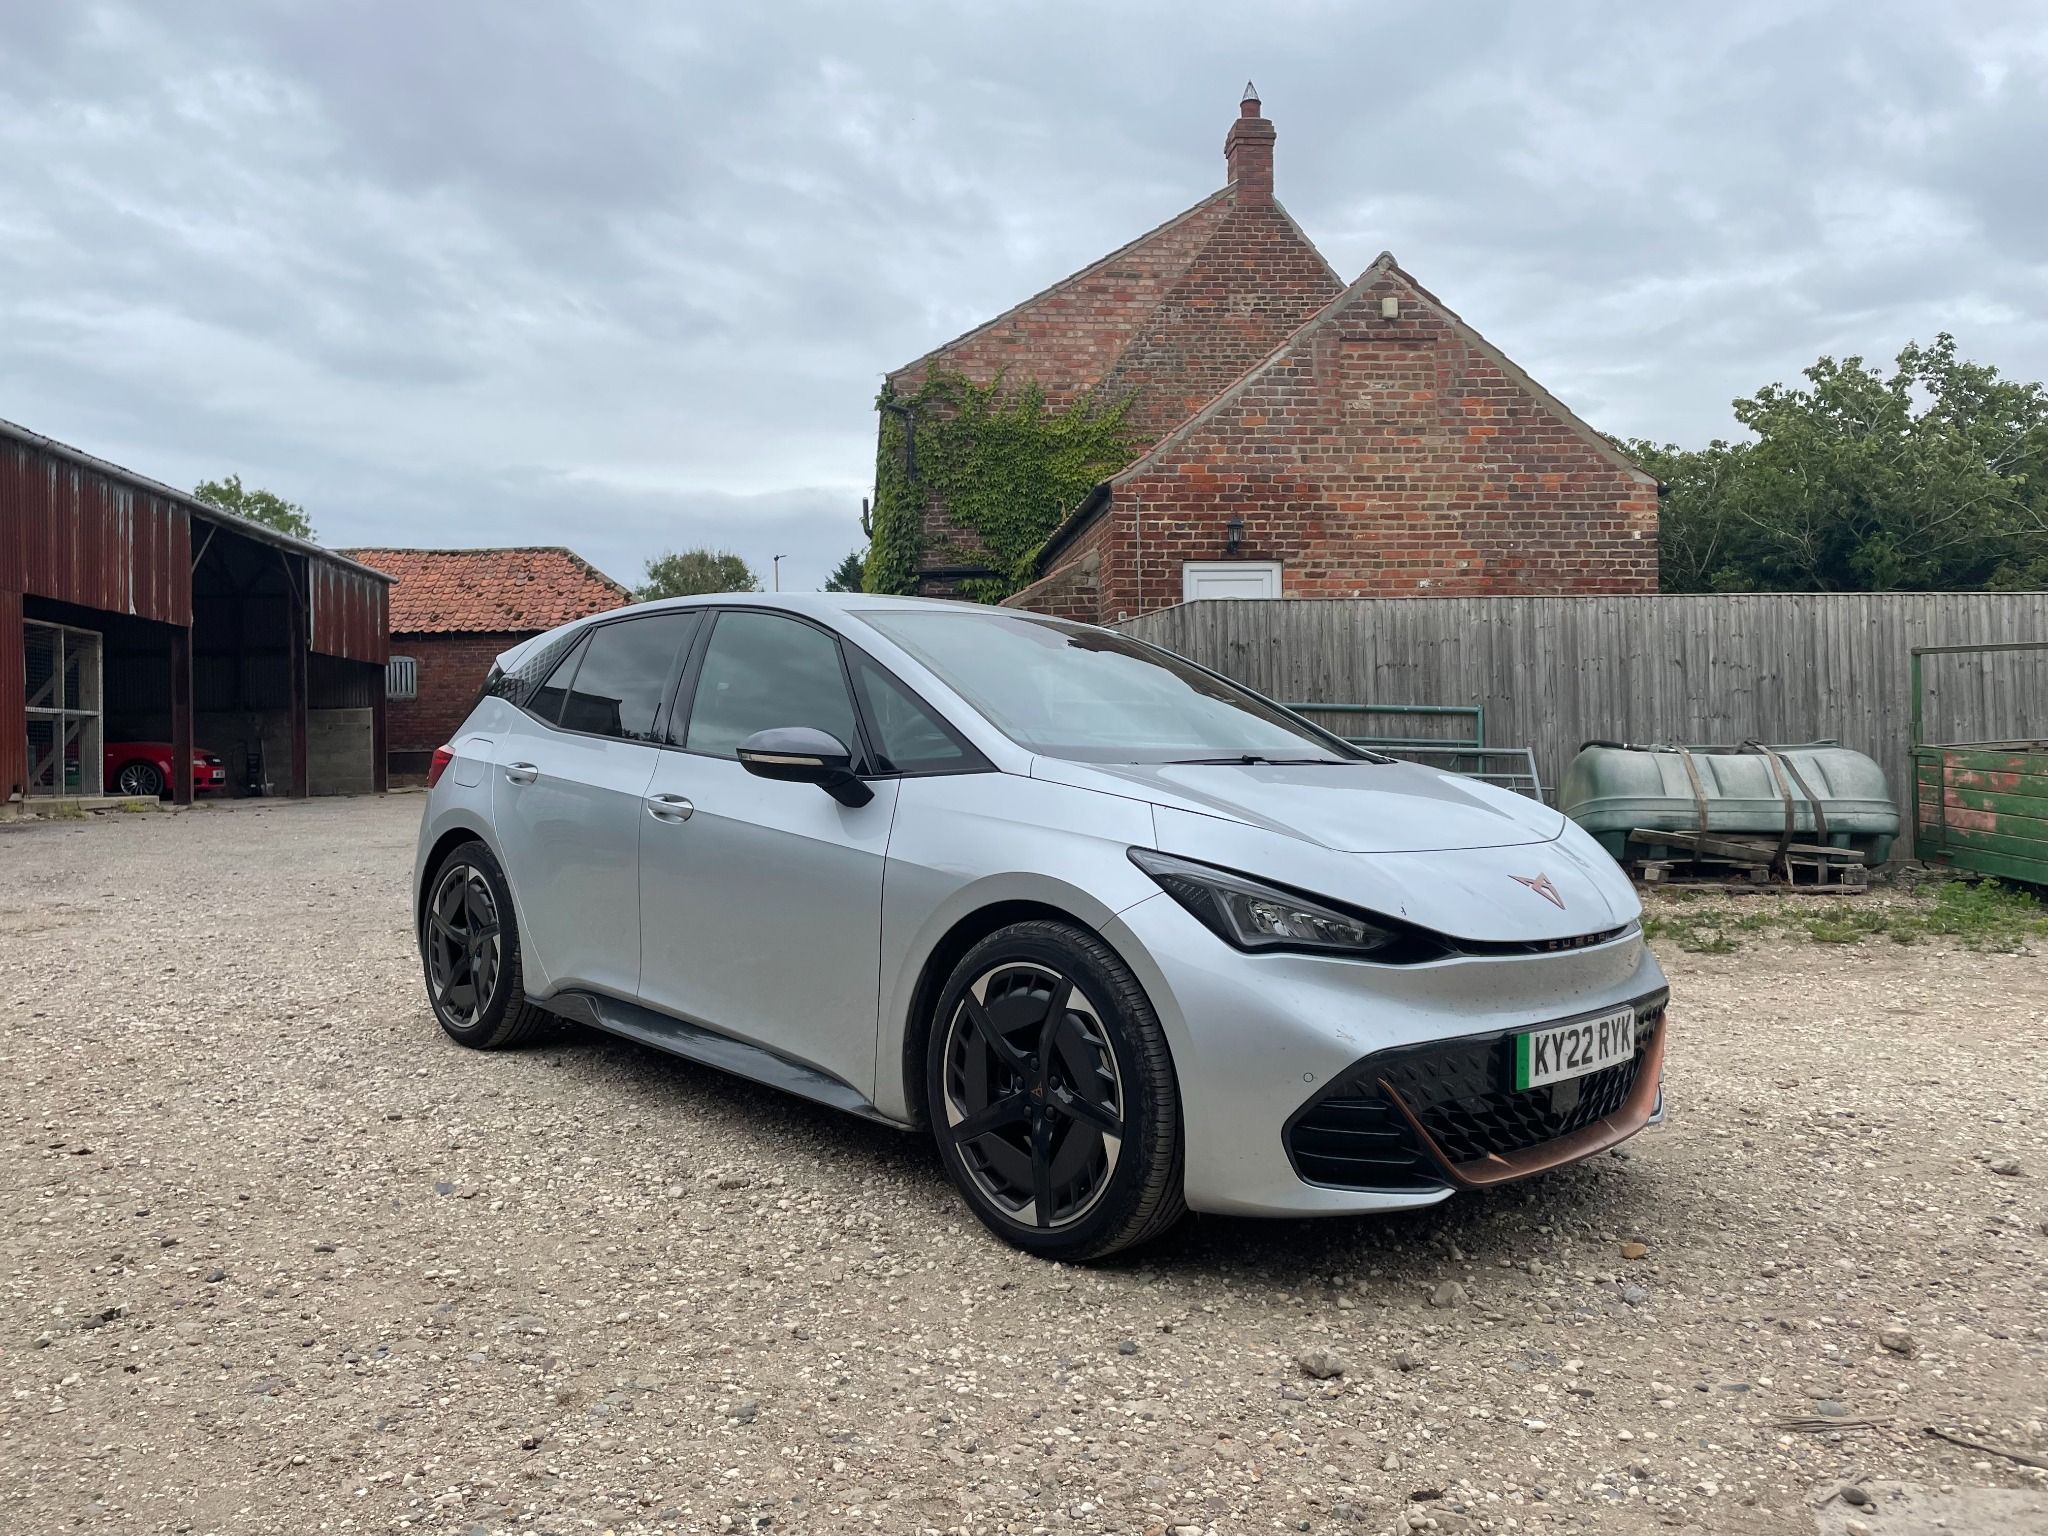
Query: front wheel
{"points": [[143, 780], [469, 946], [1052, 1094]]}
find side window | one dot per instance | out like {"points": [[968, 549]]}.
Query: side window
{"points": [[910, 737], [543, 698], [619, 687], [538, 667], [761, 671]]}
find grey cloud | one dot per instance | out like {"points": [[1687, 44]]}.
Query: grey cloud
{"points": [[627, 275]]}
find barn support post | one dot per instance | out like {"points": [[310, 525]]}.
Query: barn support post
{"points": [[13, 701], [297, 644], [380, 765], [181, 714]]}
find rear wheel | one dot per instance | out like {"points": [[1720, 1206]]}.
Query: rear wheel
{"points": [[1053, 1096], [469, 945], [142, 779]]}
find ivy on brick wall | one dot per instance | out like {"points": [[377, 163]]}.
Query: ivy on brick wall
{"points": [[1005, 466]]}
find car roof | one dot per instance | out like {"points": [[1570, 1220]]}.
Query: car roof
{"points": [[817, 602]]}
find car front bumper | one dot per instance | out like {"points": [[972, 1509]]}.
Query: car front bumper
{"points": [[1260, 1041]]}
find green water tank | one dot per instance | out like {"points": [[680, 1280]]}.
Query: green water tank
{"points": [[1614, 790]]}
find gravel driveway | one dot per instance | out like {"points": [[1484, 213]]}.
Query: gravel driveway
{"points": [[280, 1258]]}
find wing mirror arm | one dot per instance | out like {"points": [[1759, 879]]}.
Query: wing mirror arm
{"points": [[798, 754]]}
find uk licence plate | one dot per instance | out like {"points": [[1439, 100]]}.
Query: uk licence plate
{"points": [[1572, 1050]]}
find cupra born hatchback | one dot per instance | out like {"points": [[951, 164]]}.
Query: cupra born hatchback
{"points": [[1129, 939]]}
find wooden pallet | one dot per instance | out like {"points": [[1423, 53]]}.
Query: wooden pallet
{"points": [[1751, 862]]}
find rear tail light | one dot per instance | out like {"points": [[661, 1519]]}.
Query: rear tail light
{"points": [[443, 756]]}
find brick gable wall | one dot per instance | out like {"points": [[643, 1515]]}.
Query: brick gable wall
{"points": [[1168, 322], [1249, 288], [1377, 457], [452, 667], [1068, 337]]}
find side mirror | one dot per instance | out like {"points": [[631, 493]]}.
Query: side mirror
{"points": [[797, 754]]}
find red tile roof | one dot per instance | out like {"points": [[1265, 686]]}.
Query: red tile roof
{"points": [[447, 591]]}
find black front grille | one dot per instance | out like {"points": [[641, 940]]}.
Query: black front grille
{"points": [[1461, 1092]]}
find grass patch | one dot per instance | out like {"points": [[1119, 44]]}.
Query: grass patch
{"points": [[1979, 915], [1984, 915]]}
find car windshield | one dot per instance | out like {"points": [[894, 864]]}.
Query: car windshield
{"points": [[1069, 691]]}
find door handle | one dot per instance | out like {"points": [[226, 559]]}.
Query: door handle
{"points": [[521, 773], [669, 808]]}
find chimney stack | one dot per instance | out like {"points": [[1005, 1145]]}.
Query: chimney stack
{"points": [[1248, 151]]}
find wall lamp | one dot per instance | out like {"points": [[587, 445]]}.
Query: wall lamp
{"points": [[1233, 535]]}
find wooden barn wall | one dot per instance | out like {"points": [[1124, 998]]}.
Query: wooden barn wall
{"points": [[13, 698], [349, 611], [1553, 672], [78, 536]]}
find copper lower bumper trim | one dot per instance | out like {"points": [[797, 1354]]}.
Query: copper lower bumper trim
{"points": [[1609, 1131]]}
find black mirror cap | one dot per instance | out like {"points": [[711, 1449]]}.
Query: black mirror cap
{"points": [[801, 754]]}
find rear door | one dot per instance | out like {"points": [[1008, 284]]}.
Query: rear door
{"points": [[761, 902], [568, 794]]}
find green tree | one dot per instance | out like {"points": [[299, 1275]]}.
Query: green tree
{"points": [[1933, 478], [846, 575], [692, 571], [265, 507]]}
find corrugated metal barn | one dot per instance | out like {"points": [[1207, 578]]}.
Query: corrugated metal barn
{"points": [[131, 613]]}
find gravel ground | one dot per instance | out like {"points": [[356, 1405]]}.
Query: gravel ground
{"points": [[280, 1258]]}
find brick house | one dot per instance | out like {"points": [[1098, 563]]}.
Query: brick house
{"points": [[452, 612], [1296, 436]]}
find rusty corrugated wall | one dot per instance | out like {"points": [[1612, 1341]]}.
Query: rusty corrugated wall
{"points": [[13, 698], [349, 613], [79, 536]]}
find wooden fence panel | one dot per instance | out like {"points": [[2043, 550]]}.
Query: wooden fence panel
{"points": [[1553, 672]]}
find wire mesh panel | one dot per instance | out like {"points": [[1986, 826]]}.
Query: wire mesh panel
{"points": [[66, 736]]}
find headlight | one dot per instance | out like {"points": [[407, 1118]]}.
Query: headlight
{"points": [[1252, 915]]}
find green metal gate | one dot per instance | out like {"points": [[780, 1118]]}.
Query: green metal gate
{"points": [[1980, 806], [1468, 754]]}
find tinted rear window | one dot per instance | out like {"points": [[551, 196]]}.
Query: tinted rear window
{"points": [[623, 680]]}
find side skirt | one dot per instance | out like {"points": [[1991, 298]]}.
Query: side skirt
{"points": [[707, 1047]]}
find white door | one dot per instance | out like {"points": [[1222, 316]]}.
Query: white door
{"points": [[1229, 578]]}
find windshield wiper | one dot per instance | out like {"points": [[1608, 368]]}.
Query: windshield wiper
{"points": [[1250, 758]]}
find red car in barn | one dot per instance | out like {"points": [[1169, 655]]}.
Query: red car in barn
{"points": [[144, 768]]}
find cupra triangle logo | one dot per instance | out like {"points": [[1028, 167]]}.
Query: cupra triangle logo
{"points": [[1541, 885]]}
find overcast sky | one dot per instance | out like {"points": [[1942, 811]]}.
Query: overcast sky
{"points": [[627, 277]]}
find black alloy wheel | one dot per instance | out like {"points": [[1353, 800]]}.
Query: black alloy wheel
{"points": [[1033, 1099], [463, 945], [1052, 1094]]}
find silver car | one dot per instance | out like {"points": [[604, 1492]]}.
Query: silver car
{"points": [[1126, 938]]}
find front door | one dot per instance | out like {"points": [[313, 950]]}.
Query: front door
{"points": [[761, 902], [568, 800]]}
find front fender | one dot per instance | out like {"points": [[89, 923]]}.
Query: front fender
{"points": [[1056, 847]]}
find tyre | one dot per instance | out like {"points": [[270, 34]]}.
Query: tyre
{"points": [[1052, 1094], [142, 779], [469, 947]]}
